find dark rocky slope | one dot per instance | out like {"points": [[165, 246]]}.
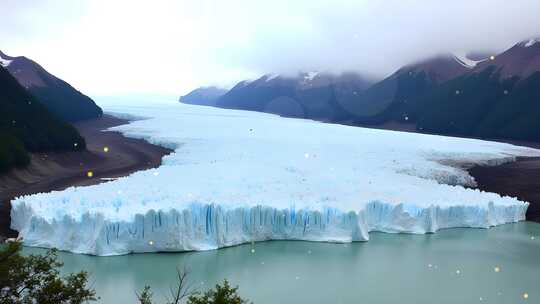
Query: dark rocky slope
{"points": [[58, 96], [26, 125]]}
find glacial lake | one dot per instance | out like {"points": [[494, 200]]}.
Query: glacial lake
{"points": [[499, 265]]}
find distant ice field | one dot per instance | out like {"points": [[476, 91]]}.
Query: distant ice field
{"points": [[239, 176]]}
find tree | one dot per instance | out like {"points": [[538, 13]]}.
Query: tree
{"points": [[145, 297], [36, 279], [222, 294], [181, 291]]}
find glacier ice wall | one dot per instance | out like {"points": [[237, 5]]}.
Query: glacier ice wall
{"points": [[204, 227], [238, 177]]}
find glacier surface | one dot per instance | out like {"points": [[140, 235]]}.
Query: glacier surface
{"points": [[238, 177]]}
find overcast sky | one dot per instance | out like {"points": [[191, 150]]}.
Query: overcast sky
{"points": [[105, 47]]}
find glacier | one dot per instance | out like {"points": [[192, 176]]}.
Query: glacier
{"points": [[237, 177]]}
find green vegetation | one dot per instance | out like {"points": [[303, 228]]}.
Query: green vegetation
{"points": [[26, 125], [220, 294], [36, 279], [12, 153]]}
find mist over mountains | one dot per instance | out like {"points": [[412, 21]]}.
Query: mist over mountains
{"points": [[476, 95], [220, 42]]}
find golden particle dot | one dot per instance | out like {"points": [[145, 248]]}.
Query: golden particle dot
{"points": [[105, 149], [525, 296], [497, 269], [90, 174]]}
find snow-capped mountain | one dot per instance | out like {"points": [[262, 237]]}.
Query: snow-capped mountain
{"points": [[5, 60], [496, 99], [522, 60], [466, 62], [57, 95], [205, 96], [460, 94], [493, 97], [442, 68], [311, 95]]}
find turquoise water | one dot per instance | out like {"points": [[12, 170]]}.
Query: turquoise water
{"points": [[452, 266]]}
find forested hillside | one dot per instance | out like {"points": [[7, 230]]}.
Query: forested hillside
{"points": [[484, 105], [58, 96], [27, 126]]}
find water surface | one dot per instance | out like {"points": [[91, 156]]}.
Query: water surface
{"points": [[452, 266]]}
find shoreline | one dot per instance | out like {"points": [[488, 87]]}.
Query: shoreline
{"points": [[57, 171], [519, 179]]}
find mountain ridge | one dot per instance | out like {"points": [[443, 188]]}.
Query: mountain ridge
{"points": [[206, 96], [58, 96], [476, 97], [27, 126], [313, 95]]}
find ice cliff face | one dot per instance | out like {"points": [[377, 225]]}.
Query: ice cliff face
{"points": [[239, 177], [204, 227]]}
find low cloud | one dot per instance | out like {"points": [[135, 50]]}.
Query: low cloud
{"points": [[172, 46]]}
